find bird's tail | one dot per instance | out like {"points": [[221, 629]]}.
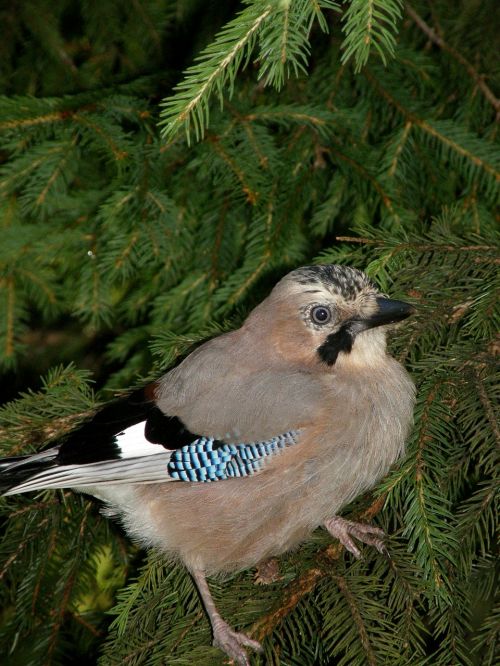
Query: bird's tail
{"points": [[15, 471], [66, 462]]}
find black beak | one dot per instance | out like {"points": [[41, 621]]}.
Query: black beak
{"points": [[388, 312]]}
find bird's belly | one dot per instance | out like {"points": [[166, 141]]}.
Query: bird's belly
{"points": [[230, 525], [218, 527]]}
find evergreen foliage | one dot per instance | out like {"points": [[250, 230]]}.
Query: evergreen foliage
{"points": [[290, 131]]}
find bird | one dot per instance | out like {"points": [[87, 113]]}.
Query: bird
{"points": [[257, 438]]}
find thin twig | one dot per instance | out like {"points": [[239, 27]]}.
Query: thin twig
{"points": [[473, 73], [358, 620], [487, 405], [295, 593], [418, 247], [87, 625], [21, 547]]}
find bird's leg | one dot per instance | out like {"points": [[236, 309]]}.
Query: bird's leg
{"points": [[227, 639], [344, 530]]}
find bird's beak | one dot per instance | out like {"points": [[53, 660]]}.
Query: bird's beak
{"points": [[388, 312]]}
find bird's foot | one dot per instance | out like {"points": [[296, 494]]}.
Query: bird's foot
{"points": [[233, 643], [344, 530]]}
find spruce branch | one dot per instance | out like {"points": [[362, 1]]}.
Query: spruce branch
{"points": [[294, 594], [22, 545], [357, 618], [216, 70], [282, 30], [422, 513], [450, 137], [399, 148], [288, 116], [22, 113], [419, 247], [250, 194], [361, 168], [471, 70], [488, 406], [100, 131], [370, 25], [22, 123], [9, 325], [284, 39]]}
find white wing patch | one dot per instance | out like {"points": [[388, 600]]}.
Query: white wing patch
{"points": [[133, 443]]}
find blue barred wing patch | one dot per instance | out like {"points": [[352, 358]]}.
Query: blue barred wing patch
{"points": [[201, 461]]}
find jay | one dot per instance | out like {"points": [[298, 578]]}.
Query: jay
{"points": [[254, 440]]}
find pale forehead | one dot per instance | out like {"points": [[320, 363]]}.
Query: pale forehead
{"points": [[343, 281]]}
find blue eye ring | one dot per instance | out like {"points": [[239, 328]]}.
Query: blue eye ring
{"points": [[321, 314]]}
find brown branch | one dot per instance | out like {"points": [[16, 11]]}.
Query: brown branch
{"points": [[127, 251], [263, 159], [375, 507], [357, 239], [41, 572], [296, 116], [9, 333], [295, 593], [399, 149], [141, 648], [23, 122], [93, 630], [35, 506], [54, 634], [473, 73], [58, 170], [87, 122], [56, 427]]}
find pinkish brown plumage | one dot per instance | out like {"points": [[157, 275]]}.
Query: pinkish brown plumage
{"points": [[310, 360]]}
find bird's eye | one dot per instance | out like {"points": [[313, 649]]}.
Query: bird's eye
{"points": [[321, 314]]}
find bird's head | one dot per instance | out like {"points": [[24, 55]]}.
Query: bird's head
{"points": [[329, 315]]}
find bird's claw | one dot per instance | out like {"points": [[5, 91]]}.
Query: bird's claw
{"points": [[233, 643], [344, 530]]}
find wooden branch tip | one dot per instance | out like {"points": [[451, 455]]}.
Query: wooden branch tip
{"points": [[356, 239]]}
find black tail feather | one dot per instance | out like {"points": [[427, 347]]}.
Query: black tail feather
{"points": [[14, 471], [92, 441]]}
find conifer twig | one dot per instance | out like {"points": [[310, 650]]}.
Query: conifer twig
{"points": [[418, 247], [358, 620], [487, 406], [471, 70]]}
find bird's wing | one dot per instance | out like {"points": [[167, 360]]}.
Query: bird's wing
{"points": [[233, 388], [132, 441]]}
